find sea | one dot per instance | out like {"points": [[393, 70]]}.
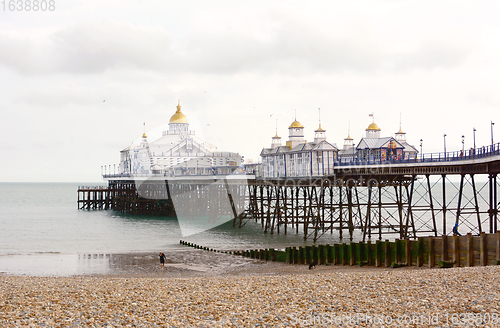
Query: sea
{"points": [[42, 232]]}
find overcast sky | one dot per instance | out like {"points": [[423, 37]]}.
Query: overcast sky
{"points": [[236, 67]]}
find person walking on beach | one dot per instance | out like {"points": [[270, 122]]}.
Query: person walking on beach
{"points": [[162, 260]]}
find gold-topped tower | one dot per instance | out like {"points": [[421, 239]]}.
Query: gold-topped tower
{"points": [[178, 117]]}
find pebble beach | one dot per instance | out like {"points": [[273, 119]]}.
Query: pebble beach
{"points": [[257, 294]]}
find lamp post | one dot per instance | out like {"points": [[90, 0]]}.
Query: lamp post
{"points": [[492, 132], [474, 135], [444, 138], [421, 153], [463, 145]]}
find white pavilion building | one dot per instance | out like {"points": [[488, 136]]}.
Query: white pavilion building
{"points": [[298, 157], [374, 148], [177, 152]]}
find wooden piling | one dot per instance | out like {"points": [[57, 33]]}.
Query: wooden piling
{"points": [[329, 254], [420, 252], [308, 255], [315, 254], [336, 254], [408, 257], [387, 251], [378, 253], [344, 254], [483, 255], [431, 252], [361, 253], [302, 255], [470, 251], [352, 253], [498, 246], [321, 254], [397, 251], [444, 248], [456, 251], [369, 253]]}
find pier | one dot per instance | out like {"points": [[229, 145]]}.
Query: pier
{"points": [[367, 199], [404, 199], [94, 198]]}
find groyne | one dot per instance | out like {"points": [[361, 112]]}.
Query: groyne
{"points": [[444, 251]]}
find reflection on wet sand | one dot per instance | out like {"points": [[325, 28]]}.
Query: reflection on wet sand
{"points": [[179, 263]]}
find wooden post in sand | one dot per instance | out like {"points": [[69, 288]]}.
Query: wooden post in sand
{"points": [[387, 249], [431, 252], [352, 254], [336, 254], [321, 254], [369, 253], [315, 254], [483, 255], [408, 258], [378, 253], [329, 257], [302, 255], [420, 252], [397, 251], [444, 248], [307, 258], [361, 253], [344, 254], [498, 246], [456, 251], [470, 251]]}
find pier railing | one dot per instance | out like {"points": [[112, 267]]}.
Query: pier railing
{"points": [[473, 153]]}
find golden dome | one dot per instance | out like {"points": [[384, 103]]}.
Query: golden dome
{"points": [[276, 136], [373, 126], [295, 124], [144, 135], [178, 117], [320, 129]]}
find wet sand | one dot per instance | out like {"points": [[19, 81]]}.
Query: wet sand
{"points": [[182, 263]]}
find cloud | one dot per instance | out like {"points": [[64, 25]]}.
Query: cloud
{"points": [[289, 46], [89, 48]]}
